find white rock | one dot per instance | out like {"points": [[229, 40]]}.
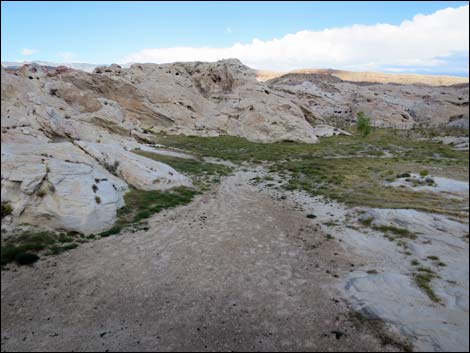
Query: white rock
{"points": [[140, 172], [65, 176]]}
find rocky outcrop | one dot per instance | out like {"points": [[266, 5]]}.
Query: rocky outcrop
{"points": [[334, 101], [62, 128], [140, 172], [206, 99], [66, 160], [58, 186]]}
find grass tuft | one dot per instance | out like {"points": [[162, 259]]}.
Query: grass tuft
{"points": [[423, 280], [16, 247], [400, 232], [142, 204]]}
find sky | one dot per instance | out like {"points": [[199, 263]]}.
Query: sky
{"points": [[428, 37]]}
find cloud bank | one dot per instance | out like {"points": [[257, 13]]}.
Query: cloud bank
{"points": [[427, 42]]}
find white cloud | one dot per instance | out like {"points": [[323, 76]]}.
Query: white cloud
{"points": [[425, 41], [229, 29], [28, 52], [66, 55]]}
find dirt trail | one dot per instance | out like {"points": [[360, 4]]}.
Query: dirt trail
{"points": [[234, 270]]}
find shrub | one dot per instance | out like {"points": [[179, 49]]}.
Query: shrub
{"points": [[424, 173], [363, 124], [41, 193], [112, 168], [56, 250], [114, 230], [26, 258], [97, 199], [6, 209]]}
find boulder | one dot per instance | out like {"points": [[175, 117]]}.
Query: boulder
{"points": [[56, 185]]}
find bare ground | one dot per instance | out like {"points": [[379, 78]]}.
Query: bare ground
{"points": [[234, 270]]}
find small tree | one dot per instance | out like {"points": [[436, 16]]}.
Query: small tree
{"points": [[363, 124]]}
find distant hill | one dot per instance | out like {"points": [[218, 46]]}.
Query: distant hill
{"points": [[377, 77], [77, 66]]}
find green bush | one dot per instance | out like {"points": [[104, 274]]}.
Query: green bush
{"points": [[26, 258], [363, 124], [6, 209]]}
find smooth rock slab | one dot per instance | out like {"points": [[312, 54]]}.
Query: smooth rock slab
{"points": [[52, 185], [141, 172], [394, 298]]}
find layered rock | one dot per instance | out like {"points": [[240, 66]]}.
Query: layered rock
{"points": [[206, 99]]}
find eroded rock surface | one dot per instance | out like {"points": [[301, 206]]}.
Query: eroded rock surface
{"points": [[332, 100], [112, 111]]}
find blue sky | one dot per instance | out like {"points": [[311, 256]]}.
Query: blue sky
{"points": [[106, 32]]}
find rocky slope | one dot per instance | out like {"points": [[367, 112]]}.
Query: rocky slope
{"points": [[372, 77], [67, 135], [330, 99]]}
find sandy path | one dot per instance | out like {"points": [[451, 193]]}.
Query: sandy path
{"points": [[234, 270]]}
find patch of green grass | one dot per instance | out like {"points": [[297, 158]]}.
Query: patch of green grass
{"points": [[400, 232], [366, 221], [58, 249], [64, 238], [197, 169], [142, 204], [239, 150], [423, 281], [426, 270], [439, 131], [415, 262], [424, 173], [379, 329], [26, 258], [20, 247], [356, 178], [331, 224], [6, 209], [372, 272], [433, 257], [112, 231]]}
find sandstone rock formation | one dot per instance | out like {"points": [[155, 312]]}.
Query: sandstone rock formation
{"points": [[66, 160], [63, 131], [332, 100], [207, 99]]}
